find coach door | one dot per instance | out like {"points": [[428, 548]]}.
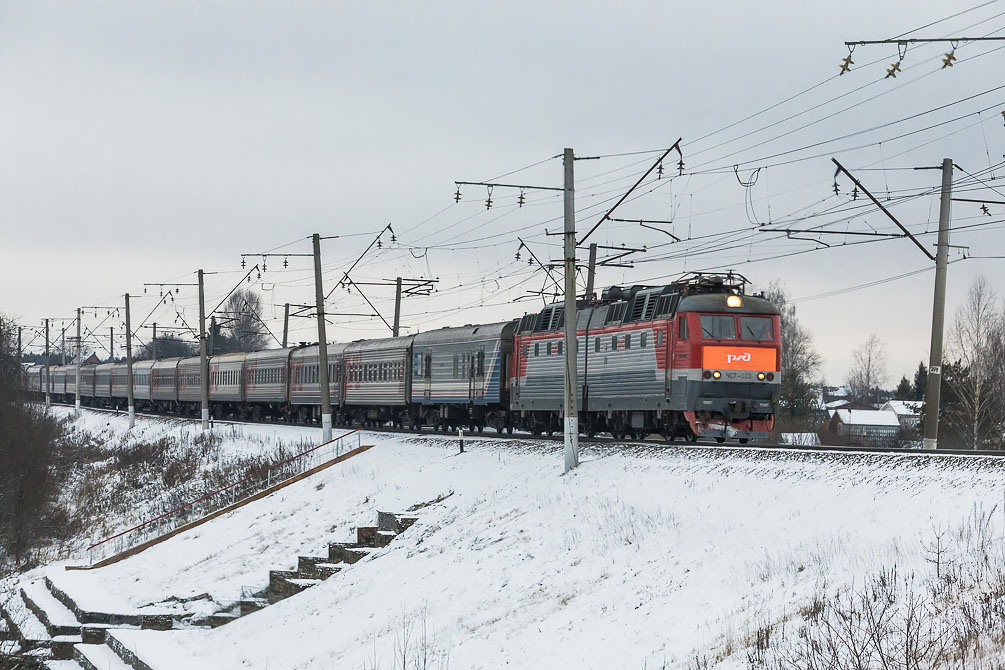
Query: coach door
{"points": [[680, 361]]}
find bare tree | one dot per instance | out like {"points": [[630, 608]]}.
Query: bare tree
{"points": [[243, 328], [168, 346], [868, 368], [800, 359], [975, 346]]}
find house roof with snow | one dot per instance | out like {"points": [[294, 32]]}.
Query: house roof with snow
{"points": [[903, 407], [866, 417]]}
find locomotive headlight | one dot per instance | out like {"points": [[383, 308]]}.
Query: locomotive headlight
{"points": [[716, 374], [760, 376], [734, 301]]}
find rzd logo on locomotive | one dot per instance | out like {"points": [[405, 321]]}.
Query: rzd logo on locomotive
{"points": [[739, 358]]}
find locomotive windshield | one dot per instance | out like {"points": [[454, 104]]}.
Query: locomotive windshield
{"points": [[718, 327], [756, 328]]}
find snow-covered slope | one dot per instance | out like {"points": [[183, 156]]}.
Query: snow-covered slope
{"points": [[641, 556]]}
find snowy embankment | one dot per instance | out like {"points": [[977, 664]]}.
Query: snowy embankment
{"points": [[640, 557]]}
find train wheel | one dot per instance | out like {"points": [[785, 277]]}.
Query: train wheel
{"points": [[744, 440], [720, 440]]}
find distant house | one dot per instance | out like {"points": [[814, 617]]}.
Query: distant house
{"points": [[865, 427], [908, 411], [91, 360]]}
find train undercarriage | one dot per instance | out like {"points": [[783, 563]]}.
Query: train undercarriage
{"points": [[620, 424]]}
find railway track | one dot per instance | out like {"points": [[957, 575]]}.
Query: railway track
{"points": [[654, 442]]}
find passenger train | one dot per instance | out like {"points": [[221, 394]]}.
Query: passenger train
{"points": [[694, 358]]}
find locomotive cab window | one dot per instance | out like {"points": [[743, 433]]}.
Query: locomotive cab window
{"points": [[718, 327], [756, 328], [682, 328]]}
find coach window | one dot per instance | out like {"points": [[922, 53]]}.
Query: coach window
{"points": [[549, 348], [560, 347], [642, 340], [537, 349], [628, 341], [614, 342], [481, 363], [456, 366], [756, 328], [718, 327]]}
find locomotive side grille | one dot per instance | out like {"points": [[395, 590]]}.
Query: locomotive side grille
{"points": [[617, 312]]}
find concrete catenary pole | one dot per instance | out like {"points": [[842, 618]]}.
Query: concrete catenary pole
{"points": [[326, 401], [212, 336], [111, 344], [591, 271], [47, 379], [571, 451], [76, 395], [131, 404], [62, 346], [934, 386], [286, 324], [203, 360], [153, 344], [397, 307]]}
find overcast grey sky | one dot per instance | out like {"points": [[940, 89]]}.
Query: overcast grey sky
{"points": [[141, 141]]}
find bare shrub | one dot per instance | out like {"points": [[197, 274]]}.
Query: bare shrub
{"points": [[952, 619]]}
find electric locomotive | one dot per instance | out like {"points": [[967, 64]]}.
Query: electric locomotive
{"points": [[695, 358]]}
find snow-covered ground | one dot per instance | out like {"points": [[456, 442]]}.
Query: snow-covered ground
{"points": [[641, 556]]}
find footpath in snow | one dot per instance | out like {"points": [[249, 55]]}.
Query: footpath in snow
{"points": [[641, 556]]}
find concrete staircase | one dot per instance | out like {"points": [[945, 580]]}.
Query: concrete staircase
{"points": [[312, 570], [43, 622]]}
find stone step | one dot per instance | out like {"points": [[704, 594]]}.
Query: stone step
{"points": [[316, 567], [56, 616], [98, 657], [154, 621], [125, 654], [384, 538], [252, 605], [286, 583], [26, 627], [347, 552], [62, 646], [366, 536], [395, 522], [351, 555], [62, 665], [218, 619]]}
